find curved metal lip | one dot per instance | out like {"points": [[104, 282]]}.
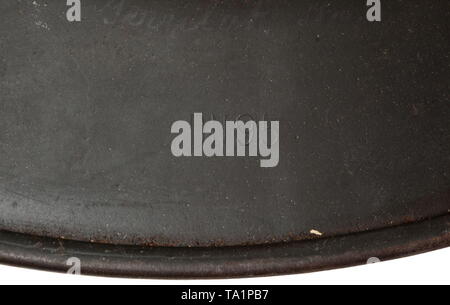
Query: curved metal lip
{"points": [[227, 262]]}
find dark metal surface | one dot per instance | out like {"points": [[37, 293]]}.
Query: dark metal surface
{"points": [[160, 262], [86, 111]]}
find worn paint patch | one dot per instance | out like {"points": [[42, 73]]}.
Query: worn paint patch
{"points": [[315, 232]]}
